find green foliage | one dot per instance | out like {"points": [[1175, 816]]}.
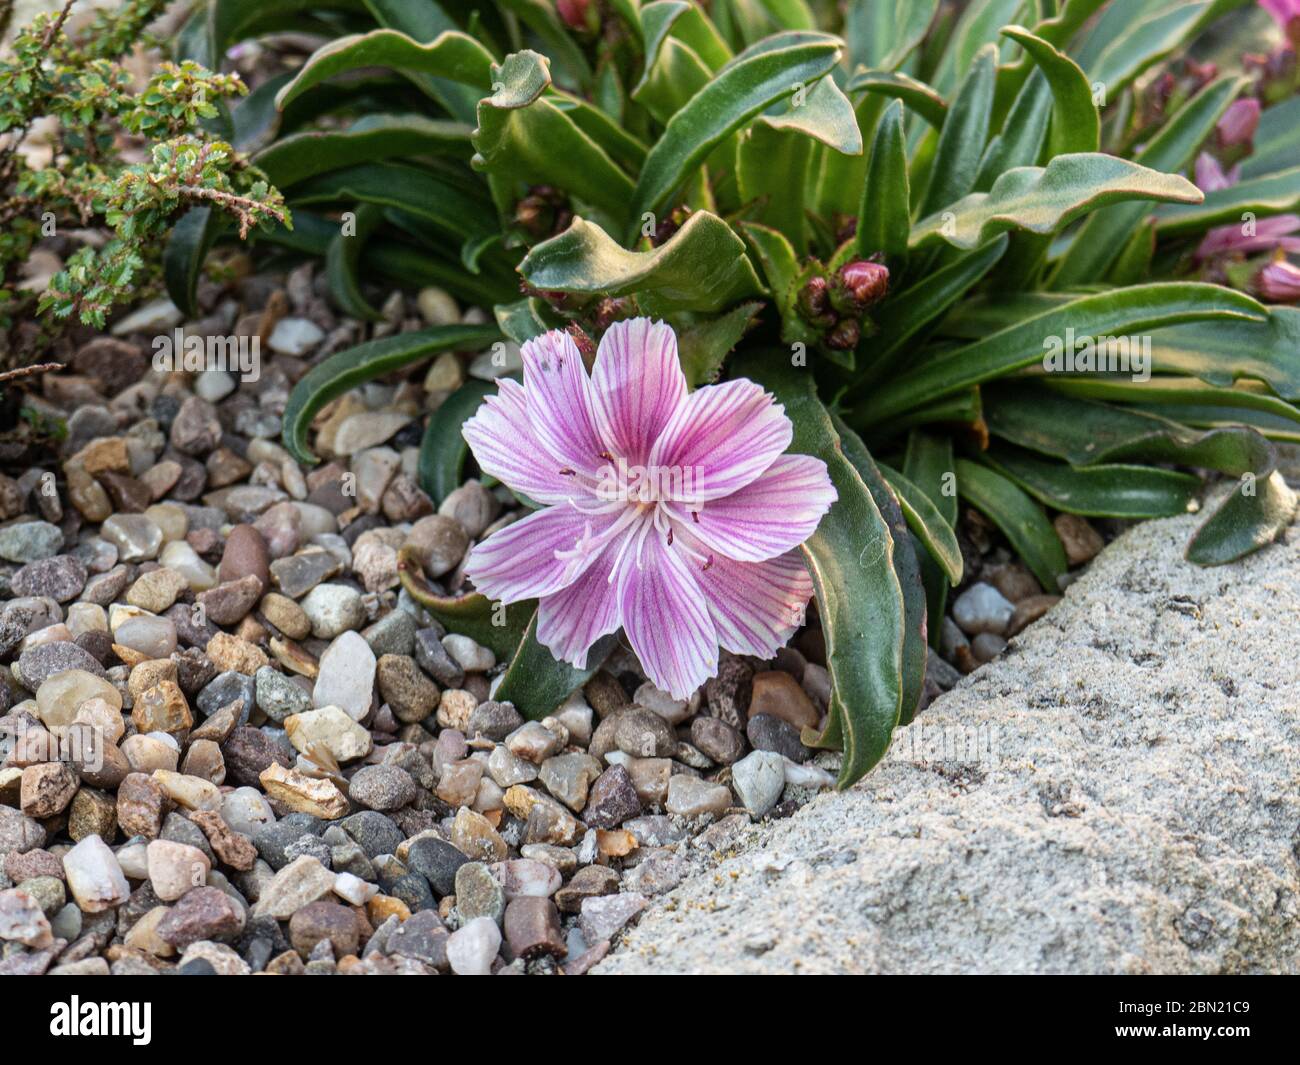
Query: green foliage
{"points": [[70, 108], [887, 217]]}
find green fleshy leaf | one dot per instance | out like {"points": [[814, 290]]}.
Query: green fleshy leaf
{"points": [[458, 210], [1113, 490], [1085, 433], [537, 683], [443, 449], [882, 34], [498, 627], [961, 141], [1117, 313], [1103, 234], [703, 347], [304, 155], [451, 55], [1272, 194], [702, 267], [523, 137], [740, 91], [187, 247], [915, 94], [1044, 199], [342, 263], [929, 525], [1076, 125], [883, 221], [1021, 520], [859, 598]]}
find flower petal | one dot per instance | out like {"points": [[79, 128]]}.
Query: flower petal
{"points": [[574, 618], [558, 393], [665, 617], [505, 446], [756, 606], [521, 561], [636, 383], [724, 436], [769, 516]]}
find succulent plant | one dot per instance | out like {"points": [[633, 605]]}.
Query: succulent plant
{"points": [[1002, 252]]}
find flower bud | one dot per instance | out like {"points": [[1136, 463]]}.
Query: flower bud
{"points": [[814, 298], [580, 15], [863, 282], [1237, 126], [1279, 282], [845, 335]]}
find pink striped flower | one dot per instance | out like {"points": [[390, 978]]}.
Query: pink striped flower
{"points": [[1247, 237], [674, 515]]}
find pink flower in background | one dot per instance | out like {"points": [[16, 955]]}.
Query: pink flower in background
{"points": [[1248, 236], [1279, 282], [1239, 122], [1286, 13], [672, 514]]}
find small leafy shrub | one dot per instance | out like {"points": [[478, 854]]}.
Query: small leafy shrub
{"points": [[84, 147], [1004, 252]]}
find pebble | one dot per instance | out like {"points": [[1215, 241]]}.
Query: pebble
{"points": [[472, 948], [1081, 541], [60, 578], [779, 695], [278, 697], [435, 660], [479, 893], [467, 654], [382, 787], [333, 609], [987, 646], [718, 740], [437, 861], [532, 927], [409, 693], [691, 797], [204, 914], [94, 877], [136, 537], [324, 921], [613, 799], [604, 915], [320, 798], [758, 780], [175, 868], [982, 608], [37, 664], [347, 676], [440, 543], [1030, 610], [297, 575], [22, 920], [300, 883], [521, 877], [295, 336], [330, 728], [30, 541], [767, 733]]}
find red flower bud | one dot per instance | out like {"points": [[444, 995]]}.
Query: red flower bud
{"points": [[814, 298], [865, 282], [845, 335], [578, 15]]}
